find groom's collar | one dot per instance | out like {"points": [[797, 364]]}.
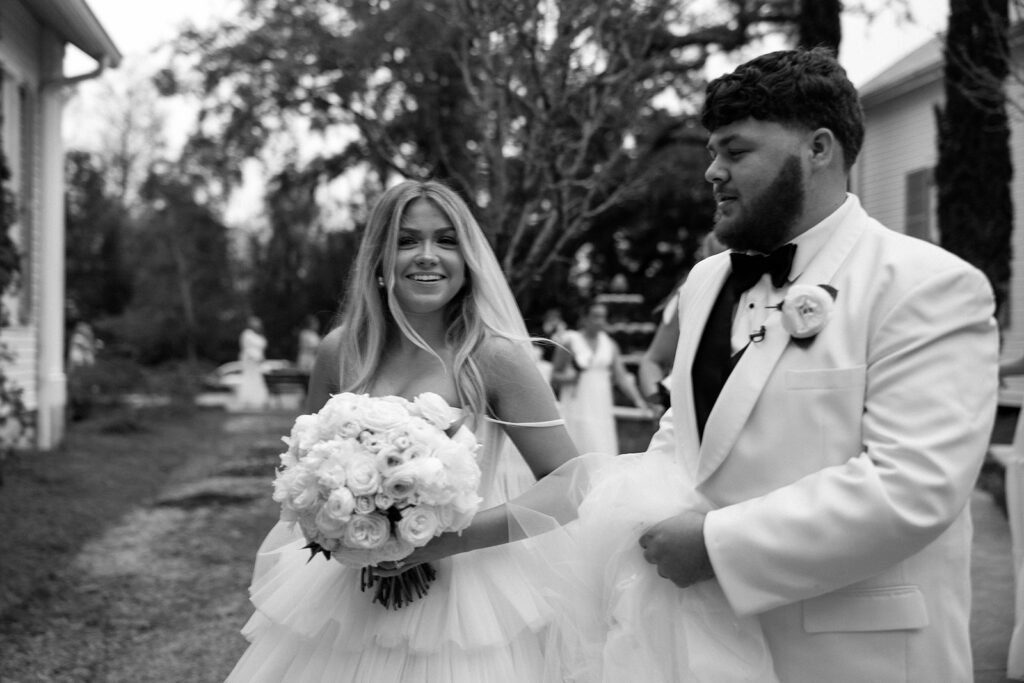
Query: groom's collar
{"points": [[810, 242]]}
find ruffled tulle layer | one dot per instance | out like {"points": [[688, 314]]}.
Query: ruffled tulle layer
{"points": [[482, 621], [616, 619]]}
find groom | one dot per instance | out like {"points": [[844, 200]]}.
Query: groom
{"points": [[839, 456]]}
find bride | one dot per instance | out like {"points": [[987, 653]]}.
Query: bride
{"points": [[548, 583], [427, 309]]}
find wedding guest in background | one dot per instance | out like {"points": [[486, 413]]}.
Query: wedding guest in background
{"points": [[427, 310], [82, 346], [585, 366], [833, 395], [309, 341], [252, 392]]}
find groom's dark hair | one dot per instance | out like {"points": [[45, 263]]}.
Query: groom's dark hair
{"points": [[803, 87]]}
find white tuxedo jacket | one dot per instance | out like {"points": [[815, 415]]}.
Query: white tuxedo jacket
{"points": [[841, 471]]}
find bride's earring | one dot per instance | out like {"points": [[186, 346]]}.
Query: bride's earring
{"points": [[380, 280]]}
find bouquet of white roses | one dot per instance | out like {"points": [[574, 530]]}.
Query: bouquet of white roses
{"points": [[370, 479]]}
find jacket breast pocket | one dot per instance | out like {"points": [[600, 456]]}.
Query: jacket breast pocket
{"points": [[886, 608], [827, 378]]}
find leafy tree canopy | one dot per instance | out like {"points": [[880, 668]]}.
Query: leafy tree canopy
{"points": [[547, 115]]}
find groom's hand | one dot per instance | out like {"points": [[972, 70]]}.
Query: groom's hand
{"points": [[676, 546]]}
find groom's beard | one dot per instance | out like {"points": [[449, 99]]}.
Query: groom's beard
{"points": [[767, 219]]}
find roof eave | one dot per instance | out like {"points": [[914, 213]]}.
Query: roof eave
{"points": [[918, 79], [75, 23]]}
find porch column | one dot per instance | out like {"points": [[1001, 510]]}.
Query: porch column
{"points": [[52, 380]]}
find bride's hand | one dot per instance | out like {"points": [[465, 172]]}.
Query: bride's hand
{"points": [[440, 547]]}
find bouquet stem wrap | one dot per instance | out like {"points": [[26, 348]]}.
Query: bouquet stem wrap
{"points": [[397, 591]]}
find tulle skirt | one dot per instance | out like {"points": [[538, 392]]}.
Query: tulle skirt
{"points": [[571, 600], [481, 622], [615, 618]]}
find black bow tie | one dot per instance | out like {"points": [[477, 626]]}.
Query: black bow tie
{"points": [[748, 268]]}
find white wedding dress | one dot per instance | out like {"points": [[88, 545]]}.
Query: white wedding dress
{"points": [[570, 600], [483, 620]]}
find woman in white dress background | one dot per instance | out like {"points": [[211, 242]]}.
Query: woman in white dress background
{"points": [[427, 310], [585, 367], [252, 392]]}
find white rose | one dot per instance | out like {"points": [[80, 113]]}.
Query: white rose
{"points": [[282, 485], [365, 505], [399, 484], [418, 525], [363, 479], [371, 441], [367, 531], [424, 433], [806, 310], [289, 458], [461, 466], [301, 490], [339, 505], [304, 434], [398, 438], [384, 415], [306, 499], [331, 476], [432, 484], [329, 526], [319, 453], [389, 457], [341, 415], [434, 410], [383, 501]]}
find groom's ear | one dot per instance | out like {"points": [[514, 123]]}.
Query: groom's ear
{"points": [[824, 148]]}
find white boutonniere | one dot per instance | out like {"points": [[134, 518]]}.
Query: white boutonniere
{"points": [[806, 310]]}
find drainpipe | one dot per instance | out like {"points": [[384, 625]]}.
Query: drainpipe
{"points": [[101, 66]]}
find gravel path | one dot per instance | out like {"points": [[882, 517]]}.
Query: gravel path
{"points": [[161, 595]]}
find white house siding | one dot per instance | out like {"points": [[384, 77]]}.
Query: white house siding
{"points": [[900, 137], [19, 54], [21, 341]]}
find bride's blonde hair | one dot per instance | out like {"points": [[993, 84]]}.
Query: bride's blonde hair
{"points": [[484, 306]]}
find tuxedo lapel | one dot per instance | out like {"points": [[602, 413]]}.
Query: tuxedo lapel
{"points": [[747, 380], [698, 308]]}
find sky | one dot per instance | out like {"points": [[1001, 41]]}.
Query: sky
{"points": [[136, 27]]}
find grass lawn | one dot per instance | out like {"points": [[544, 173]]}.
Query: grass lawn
{"points": [[125, 554]]}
